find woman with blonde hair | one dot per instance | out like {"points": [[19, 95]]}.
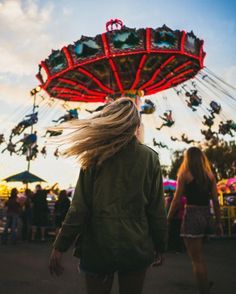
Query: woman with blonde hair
{"points": [[117, 216], [197, 182]]}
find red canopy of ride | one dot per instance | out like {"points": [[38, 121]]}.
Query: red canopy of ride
{"points": [[119, 61]]}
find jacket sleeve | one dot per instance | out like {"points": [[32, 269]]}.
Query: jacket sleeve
{"points": [[77, 215], [156, 212]]}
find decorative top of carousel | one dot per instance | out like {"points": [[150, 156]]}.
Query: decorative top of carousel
{"points": [[121, 60]]}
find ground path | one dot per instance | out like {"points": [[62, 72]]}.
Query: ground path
{"points": [[23, 270]]}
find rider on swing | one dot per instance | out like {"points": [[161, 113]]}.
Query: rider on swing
{"points": [[168, 120]]}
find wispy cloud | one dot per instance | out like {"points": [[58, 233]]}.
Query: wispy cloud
{"points": [[24, 39]]}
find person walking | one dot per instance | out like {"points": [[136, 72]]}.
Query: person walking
{"points": [[61, 208], [197, 182], [117, 214], [40, 212], [13, 213], [26, 215]]}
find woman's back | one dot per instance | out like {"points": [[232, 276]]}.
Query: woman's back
{"points": [[197, 194], [123, 183], [118, 208], [118, 236]]}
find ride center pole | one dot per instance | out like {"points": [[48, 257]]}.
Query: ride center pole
{"points": [[31, 131], [140, 131]]}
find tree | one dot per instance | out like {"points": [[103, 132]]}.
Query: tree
{"points": [[222, 158], [177, 158], [165, 171]]}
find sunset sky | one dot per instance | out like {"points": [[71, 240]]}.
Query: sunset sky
{"points": [[30, 29]]}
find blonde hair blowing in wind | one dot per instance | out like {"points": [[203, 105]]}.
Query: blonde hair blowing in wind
{"points": [[98, 138]]}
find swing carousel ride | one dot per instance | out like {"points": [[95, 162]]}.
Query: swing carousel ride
{"points": [[161, 69]]}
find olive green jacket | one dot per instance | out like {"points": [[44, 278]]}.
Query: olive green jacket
{"points": [[117, 214]]}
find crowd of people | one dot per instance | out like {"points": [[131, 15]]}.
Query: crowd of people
{"points": [[28, 215]]}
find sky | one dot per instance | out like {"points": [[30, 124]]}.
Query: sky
{"points": [[30, 29]]}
